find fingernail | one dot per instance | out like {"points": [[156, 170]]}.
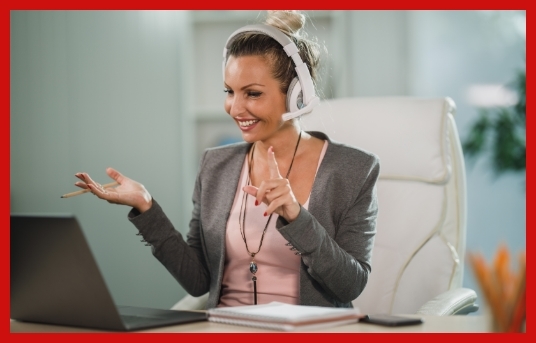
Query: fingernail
{"points": [[265, 214], [256, 203]]}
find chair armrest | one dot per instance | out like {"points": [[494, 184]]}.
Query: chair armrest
{"points": [[191, 303], [456, 301]]}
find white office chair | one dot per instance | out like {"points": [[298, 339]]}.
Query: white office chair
{"points": [[418, 256]]}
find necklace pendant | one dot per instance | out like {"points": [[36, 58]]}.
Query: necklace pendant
{"points": [[253, 267]]}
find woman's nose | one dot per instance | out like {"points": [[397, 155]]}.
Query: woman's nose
{"points": [[235, 106]]}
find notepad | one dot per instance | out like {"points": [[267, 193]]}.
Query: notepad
{"points": [[285, 317]]}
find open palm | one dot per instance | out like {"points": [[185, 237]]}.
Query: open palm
{"points": [[128, 192]]}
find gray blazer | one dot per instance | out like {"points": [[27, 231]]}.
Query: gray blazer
{"points": [[334, 236]]}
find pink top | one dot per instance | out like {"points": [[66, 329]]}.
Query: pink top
{"points": [[278, 266]]}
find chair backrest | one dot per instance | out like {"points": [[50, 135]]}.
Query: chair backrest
{"points": [[420, 241]]}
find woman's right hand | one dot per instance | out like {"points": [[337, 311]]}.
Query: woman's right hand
{"points": [[129, 192]]}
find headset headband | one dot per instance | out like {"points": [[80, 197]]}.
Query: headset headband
{"points": [[304, 77]]}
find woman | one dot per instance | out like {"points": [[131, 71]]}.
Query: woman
{"points": [[285, 216]]}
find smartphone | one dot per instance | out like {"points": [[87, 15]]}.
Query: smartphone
{"points": [[390, 320]]}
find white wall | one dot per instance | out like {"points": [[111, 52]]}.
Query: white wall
{"points": [[378, 45], [94, 89]]}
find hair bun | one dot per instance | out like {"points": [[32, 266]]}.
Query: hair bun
{"points": [[289, 22]]}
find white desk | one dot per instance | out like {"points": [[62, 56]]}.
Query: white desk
{"points": [[431, 324]]}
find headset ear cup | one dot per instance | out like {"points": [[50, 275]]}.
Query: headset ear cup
{"points": [[294, 96]]}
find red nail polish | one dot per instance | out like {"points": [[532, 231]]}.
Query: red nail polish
{"points": [[256, 203], [265, 214]]}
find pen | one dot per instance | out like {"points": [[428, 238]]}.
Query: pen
{"points": [[68, 195]]}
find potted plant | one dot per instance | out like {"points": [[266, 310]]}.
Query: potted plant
{"points": [[501, 131]]}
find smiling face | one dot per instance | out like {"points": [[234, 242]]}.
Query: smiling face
{"points": [[254, 98]]}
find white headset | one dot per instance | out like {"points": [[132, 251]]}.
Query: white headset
{"points": [[301, 98]]}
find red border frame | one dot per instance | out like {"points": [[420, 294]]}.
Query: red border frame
{"points": [[163, 4]]}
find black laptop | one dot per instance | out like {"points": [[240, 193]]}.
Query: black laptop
{"points": [[56, 280]]}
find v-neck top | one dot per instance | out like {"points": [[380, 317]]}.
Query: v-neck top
{"points": [[278, 266]]}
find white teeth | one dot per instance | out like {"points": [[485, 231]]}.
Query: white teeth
{"points": [[247, 123]]}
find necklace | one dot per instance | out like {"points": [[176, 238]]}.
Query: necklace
{"points": [[253, 268]]}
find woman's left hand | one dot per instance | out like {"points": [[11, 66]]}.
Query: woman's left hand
{"points": [[275, 192]]}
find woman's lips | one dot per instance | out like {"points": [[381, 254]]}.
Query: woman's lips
{"points": [[246, 125]]}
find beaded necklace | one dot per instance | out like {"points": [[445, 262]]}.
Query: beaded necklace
{"points": [[253, 268]]}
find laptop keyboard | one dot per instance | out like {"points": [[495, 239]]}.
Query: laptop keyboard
{"points": [[141, 318]]}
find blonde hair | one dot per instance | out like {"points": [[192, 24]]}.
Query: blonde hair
{"points": [[259, 44], [290, 22]]}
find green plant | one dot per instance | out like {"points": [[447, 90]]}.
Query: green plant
{"points": [[503, 131]]}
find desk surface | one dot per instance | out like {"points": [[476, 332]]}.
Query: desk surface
{"points": [[431, 324]]}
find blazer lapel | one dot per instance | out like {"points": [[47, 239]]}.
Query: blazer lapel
{"points": [[219, 200]]}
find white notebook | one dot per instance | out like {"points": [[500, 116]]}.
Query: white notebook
{"points": [[286, 317]]}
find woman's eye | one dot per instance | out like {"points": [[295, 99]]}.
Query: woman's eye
{"points": [[228, 91], [254, 94]]}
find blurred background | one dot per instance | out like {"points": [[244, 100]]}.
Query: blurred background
{"points": [[141, 91]]}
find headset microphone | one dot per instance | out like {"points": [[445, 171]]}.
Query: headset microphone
{"points": [[301, 98], [304, 110]]}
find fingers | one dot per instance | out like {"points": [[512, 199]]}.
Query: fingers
{"points": [[269, 190], [96, 188], [251, 190], [114, 174], [272, 164], [279, 199], [274, 205], [275, 192], [86, 178], [81, 184], [108, 194], [269, 197]]}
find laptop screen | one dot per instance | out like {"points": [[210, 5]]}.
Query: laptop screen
{"points": [[54, 276]]}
